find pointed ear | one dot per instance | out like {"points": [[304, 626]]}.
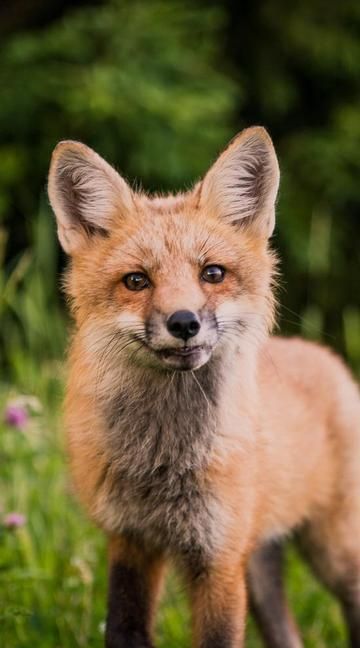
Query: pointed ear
{"points": [[242, 185], [86, 194]]}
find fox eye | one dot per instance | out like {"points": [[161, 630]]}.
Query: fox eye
{"points": [[136, 281], [213, 274]]}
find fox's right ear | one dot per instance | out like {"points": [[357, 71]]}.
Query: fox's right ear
{"points": [[86, 194]]}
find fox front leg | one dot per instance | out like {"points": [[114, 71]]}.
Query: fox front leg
{"points": [[134, 583], [218, 599]]}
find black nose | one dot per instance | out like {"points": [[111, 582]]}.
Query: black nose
{"points": [[183, 324]]}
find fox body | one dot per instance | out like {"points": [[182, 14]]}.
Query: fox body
{"points": [[193, 435]]}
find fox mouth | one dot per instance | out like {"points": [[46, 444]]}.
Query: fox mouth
{"points": [[184, 358], [181, 358], [183, 352]]}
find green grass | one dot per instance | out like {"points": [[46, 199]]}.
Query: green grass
{"points": [[53, 569]]}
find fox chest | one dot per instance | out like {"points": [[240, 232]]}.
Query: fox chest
{"points": [[158, 446], [167, 509], [155, 489]]}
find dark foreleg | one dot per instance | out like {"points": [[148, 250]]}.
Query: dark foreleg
{"points": [[134, 581]]}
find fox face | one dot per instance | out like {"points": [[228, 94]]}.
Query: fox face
{"points": [[168, 282]]}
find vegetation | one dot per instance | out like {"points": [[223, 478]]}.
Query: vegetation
{"points": [[157, 88]]}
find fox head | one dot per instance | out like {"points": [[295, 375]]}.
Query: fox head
{"points": [[169, 282]]}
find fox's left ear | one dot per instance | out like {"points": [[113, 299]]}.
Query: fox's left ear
{"points": [[242, 184]]}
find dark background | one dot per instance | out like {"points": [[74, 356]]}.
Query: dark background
{"points": [[158, 88]]}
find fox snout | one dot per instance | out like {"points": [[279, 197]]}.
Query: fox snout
{"points": [[183, 324], [182, 340]]}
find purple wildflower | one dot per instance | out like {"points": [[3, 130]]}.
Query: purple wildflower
{"points": [[16, 415], [14, 520]]}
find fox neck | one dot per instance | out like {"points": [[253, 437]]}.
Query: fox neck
{"points": [[168, 419], [164, 418]]}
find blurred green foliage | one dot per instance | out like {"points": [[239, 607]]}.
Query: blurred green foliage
{"points": [[158, 88]]}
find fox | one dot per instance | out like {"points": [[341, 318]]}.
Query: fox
{"points": [[195, 436]]}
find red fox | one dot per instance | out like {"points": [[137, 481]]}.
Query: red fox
{"points": [[193, 435]]}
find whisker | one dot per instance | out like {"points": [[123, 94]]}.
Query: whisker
{"points": [[201, 389]]}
